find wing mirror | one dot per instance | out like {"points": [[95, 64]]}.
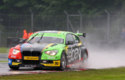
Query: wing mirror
{"points": [[84, 34], [81, 34]]}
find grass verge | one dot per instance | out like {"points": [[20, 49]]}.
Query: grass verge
{"points": [[4, 50], [3, 61], [103, 74]]}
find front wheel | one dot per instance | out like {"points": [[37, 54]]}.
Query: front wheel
{"points": [[14, 67], [63, 64]]}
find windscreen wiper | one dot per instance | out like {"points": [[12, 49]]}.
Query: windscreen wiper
{"points": [[32, 38], [40, 38]]}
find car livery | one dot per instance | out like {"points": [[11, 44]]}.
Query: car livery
{"points": [[48, 49]]}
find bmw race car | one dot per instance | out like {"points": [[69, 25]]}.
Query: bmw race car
{"points": [[48, 49]]}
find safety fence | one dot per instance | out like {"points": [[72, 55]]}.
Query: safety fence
{"points": [[105, 28]]}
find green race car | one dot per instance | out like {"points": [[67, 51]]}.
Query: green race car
{"points": [[49, 49]]}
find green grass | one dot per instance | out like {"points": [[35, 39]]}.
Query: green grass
{"points": [[3, 61], [104, 74], [4, 50]]}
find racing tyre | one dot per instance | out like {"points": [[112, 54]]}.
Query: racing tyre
{"points": [[63, 64], [14, 67], [85, 56]]}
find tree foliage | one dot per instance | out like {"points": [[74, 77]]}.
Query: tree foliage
{"points": [[58, 6]]}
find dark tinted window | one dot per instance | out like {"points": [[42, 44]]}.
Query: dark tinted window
{"points": [[77, 40]]}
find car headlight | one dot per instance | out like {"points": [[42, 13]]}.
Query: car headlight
{"points": [[52, 53], [15, 51]]}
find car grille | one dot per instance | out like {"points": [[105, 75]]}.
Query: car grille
{"points": [[31, 53], [31, 62]]}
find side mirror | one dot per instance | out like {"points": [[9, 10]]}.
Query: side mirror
{"points": [[84, 35], [22, 40], [69, 42], [81, 34]]}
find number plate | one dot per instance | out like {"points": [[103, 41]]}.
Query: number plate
{"points": [[30, 65], [31, 58]]}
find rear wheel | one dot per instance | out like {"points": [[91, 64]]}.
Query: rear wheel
{"points": [[14, 67], [63, 64], [85, 56]]}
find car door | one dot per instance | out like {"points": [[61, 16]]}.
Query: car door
{"points": [[72, 48], [77, 48]]}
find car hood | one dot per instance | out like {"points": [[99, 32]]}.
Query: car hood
{"points": [[39, 47]]}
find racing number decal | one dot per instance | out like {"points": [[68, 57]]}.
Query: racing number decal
{"points": [[73, 53]]}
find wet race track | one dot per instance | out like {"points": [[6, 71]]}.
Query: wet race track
{"points": [[5, 70]]}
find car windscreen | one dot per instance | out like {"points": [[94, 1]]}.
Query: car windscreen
{"points": [[46, 40]]}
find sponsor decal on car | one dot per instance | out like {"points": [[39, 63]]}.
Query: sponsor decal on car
{"points": [[55, 64], [31, 58], [15, 63]]}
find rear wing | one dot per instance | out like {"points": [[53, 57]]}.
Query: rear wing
{"points": [[81, 34]]}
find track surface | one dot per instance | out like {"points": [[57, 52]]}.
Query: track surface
{"points": [[3, 56], [5, 70]]}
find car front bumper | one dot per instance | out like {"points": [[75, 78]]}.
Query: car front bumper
{"points": [[30, 63]]}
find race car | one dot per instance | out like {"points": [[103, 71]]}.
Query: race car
{"points": [[48, 49]]}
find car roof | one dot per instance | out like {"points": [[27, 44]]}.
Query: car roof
{"points": [[54, 31]]}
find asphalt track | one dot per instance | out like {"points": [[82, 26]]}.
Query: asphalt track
{"points": [[5, 70], [3, 56]]}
